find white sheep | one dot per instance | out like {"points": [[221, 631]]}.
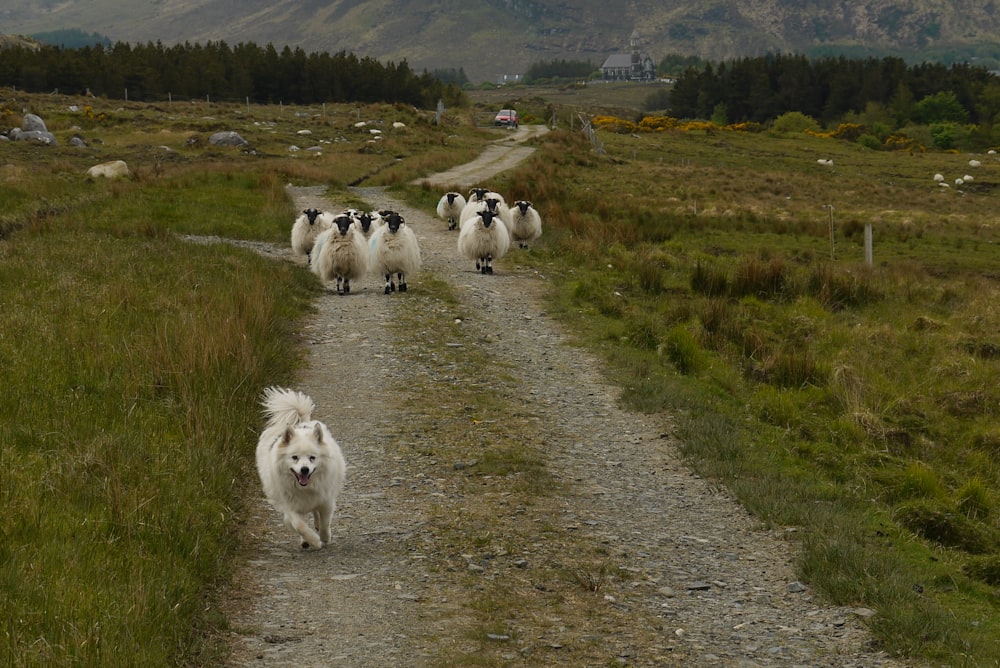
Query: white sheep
{"points": [[341, 254], [975, 163], [483, 238], [480, 194], [308, 226], [493, 203], [394, 250], [450, 208], [938, 178], [526, 223]]}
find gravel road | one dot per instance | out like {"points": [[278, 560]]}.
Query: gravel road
{"points": [[698, 581]]}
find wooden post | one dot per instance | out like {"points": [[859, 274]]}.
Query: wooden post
{"points": [[868, 244], [833, 244]]}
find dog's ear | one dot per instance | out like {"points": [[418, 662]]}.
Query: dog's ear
{"points": [[318, 432], [287, 438]]}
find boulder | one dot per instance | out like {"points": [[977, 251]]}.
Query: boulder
{"points": [[39, 136], [109, 170], [227, 138], [33, 123]]}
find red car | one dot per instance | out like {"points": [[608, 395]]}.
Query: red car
{"points": [[507, 117]]}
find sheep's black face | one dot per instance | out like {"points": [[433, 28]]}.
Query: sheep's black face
{"points": [[343, 224], [393, 221], [523, 206], [451, 197], [312, 215], [478, 193], [487, 217], [492, 204], [366, 222]]}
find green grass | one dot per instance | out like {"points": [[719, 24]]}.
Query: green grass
{"points": [[132, 362]]}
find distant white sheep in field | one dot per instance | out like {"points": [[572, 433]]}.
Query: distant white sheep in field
{"points": [[525, 225], [341, 254], [938, 178], [975, 163], [450, 208], [826, 162], [483, 238], [308, 226], [395, 250]]}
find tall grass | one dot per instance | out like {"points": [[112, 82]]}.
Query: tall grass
{"points": [[132, 361]]}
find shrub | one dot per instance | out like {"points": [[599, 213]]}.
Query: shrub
{"points": [[973, 499], [794, 121], [870, 141]]}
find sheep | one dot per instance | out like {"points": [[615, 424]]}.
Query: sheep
{"points": [[483, 238], [450, 208], [526, 223], [367, 223], [825, 161], [493, 203], [395, 250], [975, 163], [308, 226], [341, 254], [938, 178]]}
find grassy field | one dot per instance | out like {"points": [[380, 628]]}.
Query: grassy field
{"points": [[720, 273]]}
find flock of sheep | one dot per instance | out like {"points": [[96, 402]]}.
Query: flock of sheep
{"points": [[345, 247]]}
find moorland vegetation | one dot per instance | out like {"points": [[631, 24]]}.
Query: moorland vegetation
{"points": [[721, 273]]}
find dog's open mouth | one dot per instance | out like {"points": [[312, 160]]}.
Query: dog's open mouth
{"points": [[303, 478]]}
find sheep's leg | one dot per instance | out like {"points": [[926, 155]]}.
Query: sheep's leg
{"points": [[451, 223], [389, 287], [477, 264], [402, 282], [488, 269], [347, 286]]}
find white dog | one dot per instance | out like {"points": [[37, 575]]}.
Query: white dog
{"points": [[301, 466]]}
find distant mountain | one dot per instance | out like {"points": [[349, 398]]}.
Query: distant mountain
{"points": [[489, 38]]}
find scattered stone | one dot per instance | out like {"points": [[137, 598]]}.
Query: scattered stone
{"points": [[227, 138], [699, 586], [796, 588]]}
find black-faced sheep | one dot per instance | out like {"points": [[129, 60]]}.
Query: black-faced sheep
{"points": [[395, 250], [308, 226], [483, 238], [341, 254], [525, 223], [450, 208]]}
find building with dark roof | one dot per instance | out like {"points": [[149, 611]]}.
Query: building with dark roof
{"points": [[634, 66]]}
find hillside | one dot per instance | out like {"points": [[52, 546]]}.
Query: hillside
{"points": [[493, 37]]}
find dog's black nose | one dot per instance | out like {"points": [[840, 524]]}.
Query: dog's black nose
{"points": [[304, 470]]}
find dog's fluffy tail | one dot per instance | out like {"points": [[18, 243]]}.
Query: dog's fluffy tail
{"points": [[286, 408]]}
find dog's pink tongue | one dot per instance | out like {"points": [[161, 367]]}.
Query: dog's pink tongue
{"points": [[302, 478]]}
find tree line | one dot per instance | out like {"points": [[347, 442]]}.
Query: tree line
{"points": [[262, 74], [760, 89]]}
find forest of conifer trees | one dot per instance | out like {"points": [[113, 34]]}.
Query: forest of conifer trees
{"points": [[153, 72]]}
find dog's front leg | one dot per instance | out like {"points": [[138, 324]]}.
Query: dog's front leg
{"points": [[324, 517], [299, 524]]}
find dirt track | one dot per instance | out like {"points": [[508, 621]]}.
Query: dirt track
{"points": [[695, 580]]}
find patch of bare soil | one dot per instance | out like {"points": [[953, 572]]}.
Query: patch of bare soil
{"points": [[628, 558]]}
